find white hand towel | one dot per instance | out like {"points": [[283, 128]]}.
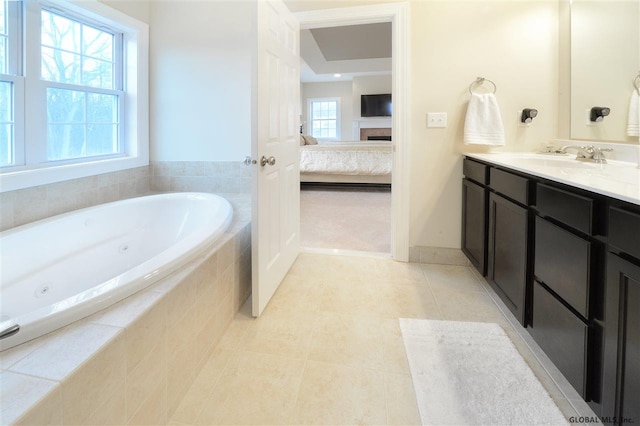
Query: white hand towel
{"points": [[483, 123], [633, 125]]}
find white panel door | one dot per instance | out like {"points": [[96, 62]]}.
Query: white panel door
{"points": [[276, 185]]}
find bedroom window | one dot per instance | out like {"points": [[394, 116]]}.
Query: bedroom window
{"points": [[73, 91], [324, 116]]}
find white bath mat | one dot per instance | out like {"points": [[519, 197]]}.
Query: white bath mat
{"points": [[467, 373]]}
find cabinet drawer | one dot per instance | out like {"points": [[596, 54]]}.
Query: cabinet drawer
{"points": [[510, 185], [562, 263], [570, 209], [475, 171], [561, 335], [624, 231]]}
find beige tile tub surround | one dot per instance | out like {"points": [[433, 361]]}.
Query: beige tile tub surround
{"points": [[132, 363], [31, 204], [28, 205], [200, 176]]}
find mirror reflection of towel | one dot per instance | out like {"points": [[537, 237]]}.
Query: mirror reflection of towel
{"points": [[483, 123], [633, 125]]}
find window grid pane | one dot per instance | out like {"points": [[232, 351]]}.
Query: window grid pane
{"points": [[324, 118], [81, 124], [7, 124], [76, 53], [4, 38]]}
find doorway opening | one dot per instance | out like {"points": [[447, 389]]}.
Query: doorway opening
{"points": [[346, 197]]}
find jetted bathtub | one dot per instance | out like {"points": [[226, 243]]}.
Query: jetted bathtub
{"points": [[64, 268]]}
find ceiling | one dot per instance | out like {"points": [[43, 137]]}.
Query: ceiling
{"points": [[366, 41], [352, 50]]}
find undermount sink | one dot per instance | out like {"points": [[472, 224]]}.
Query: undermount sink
{"points": [[561, 165], [553, 160]]}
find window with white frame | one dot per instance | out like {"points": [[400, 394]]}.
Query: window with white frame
{"points": [[73, 91], [324, 116]]}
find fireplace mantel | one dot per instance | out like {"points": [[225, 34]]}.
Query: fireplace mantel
{"points": [[369, 123]]}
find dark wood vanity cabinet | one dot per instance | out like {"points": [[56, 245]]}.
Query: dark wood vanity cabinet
{"points": [[508, 250], [474, 213], [566, 261], [621, 364], [474, 220], [621, 378]]}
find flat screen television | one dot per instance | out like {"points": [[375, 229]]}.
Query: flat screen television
{"points": [[375, 105]]}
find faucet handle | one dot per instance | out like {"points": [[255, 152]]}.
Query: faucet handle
{"points": [[598, 154]]}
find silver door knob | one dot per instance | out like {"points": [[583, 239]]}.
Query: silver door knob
{"points": [[270, 161], [247, 161]]}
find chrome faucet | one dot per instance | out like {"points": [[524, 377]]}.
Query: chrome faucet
{"points": [[582, 150], [587, 153]]}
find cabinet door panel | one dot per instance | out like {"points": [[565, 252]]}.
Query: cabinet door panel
{"points": [[508, 242], [474, 222], [621, 379], [561, 335], [562, 262]]}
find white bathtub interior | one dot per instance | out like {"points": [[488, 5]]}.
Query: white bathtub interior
{"points": [[64, 268]]}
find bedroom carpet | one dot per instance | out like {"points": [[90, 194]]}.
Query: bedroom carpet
{"points": [[346, 220], [468, 373]]}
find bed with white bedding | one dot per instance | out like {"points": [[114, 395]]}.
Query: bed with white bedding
{"points": [[346, 162]]}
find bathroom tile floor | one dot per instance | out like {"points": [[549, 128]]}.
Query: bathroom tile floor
{"points": [[328, 348]]}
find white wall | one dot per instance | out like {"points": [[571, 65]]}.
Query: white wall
{"points": [[201, 53], [138, 9], [369, 85], [338, 89], [201, 88], [513, 43]]}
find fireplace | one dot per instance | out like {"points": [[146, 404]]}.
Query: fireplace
{"points": [[379, 134]]}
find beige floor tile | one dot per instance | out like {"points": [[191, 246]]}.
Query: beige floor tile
{"points": [[329, 350], [452, 277], [332, 394], [398, 272], [279, 336], [353, 296], [255, 389], [331, 267], [408, 300], [394, 355], [203, 387], [348, 340], [459, 305], [402, 408]]}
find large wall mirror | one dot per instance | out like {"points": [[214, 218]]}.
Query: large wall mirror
{"points": [[605, 60]]}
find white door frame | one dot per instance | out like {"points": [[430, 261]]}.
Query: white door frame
{"points": [[397, 14]]}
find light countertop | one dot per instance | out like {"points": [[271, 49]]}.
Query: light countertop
{"points": [[616, 179]]}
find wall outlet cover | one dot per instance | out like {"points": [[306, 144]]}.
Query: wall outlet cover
{"points": [[436, 119]]}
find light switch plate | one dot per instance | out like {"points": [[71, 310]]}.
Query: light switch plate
{"points": [[436, 119]]}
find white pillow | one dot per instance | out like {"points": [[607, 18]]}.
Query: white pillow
{"points": [[310, 140]]}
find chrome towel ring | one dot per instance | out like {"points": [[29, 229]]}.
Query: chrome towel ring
{"points": [[636, 83], [480, 80]]}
